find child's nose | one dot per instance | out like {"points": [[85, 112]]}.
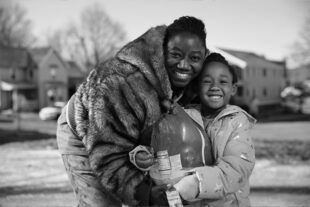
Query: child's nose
{"points": [[214, 87]]}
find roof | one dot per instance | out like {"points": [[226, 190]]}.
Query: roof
{"points": [[74, 71], [39, 53], [14, 57], [252, 58], [229, 57]]}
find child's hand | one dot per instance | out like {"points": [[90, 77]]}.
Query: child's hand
{"points": [[188, 187], [144, 159]]}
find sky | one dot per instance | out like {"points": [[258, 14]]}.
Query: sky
{"points": [[265, 27]]}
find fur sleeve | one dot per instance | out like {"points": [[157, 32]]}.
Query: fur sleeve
{"points": [[118, 108], [120, 99]]}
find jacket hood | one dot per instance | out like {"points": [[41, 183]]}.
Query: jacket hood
{"points": [[147, 54], [231, 109], [195, 113]]}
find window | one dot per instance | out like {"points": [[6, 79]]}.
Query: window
{"points": [[265, 92], [53, 73], [264, 72], [53, 66], [30, 74], [31, 94], [12, 71], [53, 70]]}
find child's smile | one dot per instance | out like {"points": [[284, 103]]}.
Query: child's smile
{"points": [[216, 87]]}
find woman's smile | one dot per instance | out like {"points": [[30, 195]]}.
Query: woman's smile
{"points": [[182, 74]]}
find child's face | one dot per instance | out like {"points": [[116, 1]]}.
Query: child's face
{"points": [[216, 87]]}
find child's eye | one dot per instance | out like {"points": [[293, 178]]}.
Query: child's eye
{"points": [[223, 81]]}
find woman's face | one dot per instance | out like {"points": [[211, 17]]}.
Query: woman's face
{"points": [[184, 57]]}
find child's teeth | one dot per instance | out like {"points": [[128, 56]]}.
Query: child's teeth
{"points": [[215, 97]]}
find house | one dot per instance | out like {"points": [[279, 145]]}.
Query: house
{"points": [[75, 77], [35, 78], [18, 80], [52, 76], [299, 74], [261, 80]]}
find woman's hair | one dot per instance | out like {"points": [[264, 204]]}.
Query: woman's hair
{"points": [[186, 24], [217, 57]]}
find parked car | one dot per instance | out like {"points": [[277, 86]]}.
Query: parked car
{"points": [[51, 112], [305, 107]]}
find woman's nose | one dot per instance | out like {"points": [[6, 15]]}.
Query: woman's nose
{"points": [[183, 64]]}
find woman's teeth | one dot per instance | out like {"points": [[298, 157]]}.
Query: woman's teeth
{"points": [[182, 75]]}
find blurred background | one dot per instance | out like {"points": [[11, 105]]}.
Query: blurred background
{"points": [[47, 48]]}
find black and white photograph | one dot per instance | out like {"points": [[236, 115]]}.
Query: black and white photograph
{"points": [[177, 103]]}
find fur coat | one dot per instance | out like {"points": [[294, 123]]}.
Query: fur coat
{"points": [[119, 99]]}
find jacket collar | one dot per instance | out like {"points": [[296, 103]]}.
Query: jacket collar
{"points": [[195, 113]]}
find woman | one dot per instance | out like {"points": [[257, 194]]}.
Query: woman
{"points": [[119, 99]]}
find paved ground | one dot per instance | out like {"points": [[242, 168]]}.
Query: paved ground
{"points": [[32, 175], [64, 199], [36, 178]]}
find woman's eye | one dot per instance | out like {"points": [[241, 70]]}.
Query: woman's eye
{"points": [[175, 55], [195, 58]]}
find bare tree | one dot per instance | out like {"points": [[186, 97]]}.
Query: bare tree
{"points": [[15, 28], [92, 41], [301, 53], [56, 39]]}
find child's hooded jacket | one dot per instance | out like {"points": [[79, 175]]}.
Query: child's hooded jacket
{"points": [[227, 182]]}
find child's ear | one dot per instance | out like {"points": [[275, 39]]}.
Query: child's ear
{"points": [[234, 89]]}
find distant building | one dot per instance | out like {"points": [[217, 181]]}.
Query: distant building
{"points": [[18, 80], [261, 80], [75, 77], [35, 78], [299, 74], [52, 76]]}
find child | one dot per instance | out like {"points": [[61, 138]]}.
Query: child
{"points": [[228, 127]]}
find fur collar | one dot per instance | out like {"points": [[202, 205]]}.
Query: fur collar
{"points": [[146, 53]]}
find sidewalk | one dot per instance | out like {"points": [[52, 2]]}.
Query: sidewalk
{"points": [[269, 174], [37, 178], [279, 185]]}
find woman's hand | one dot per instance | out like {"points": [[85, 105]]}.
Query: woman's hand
{"points": [[144, 159]]}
